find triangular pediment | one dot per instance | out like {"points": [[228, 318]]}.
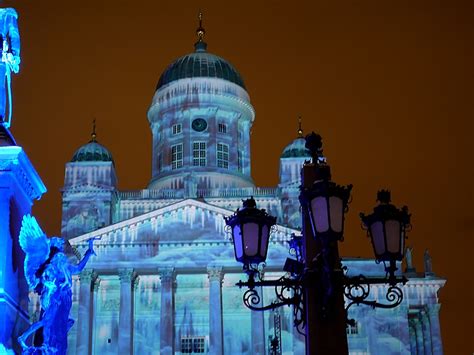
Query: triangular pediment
{"points": [[186, 221], [192, 225]]}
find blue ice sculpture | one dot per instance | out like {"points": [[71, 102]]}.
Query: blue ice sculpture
{"points": [[49, 272], [10, 62]]}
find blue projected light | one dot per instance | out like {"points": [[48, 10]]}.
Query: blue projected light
{"points": [[49, 273], [10, 60]]}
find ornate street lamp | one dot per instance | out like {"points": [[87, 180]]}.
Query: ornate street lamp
{"points": [[316, 278], [387, 227], [325, 202], [250, 228]]}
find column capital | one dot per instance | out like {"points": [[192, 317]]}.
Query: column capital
{"points": [[87, 275], [96, 284], [167, 274], [215, 273], [126, 275]]}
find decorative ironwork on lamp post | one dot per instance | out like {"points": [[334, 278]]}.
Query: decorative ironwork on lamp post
{"points": [[315, 281]]}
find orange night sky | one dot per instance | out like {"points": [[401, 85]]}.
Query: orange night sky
{"points": [[387, 84]]}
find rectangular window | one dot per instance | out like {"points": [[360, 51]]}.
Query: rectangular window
{"points": [[222, 128], [177, 156], [193, 345], [199, 153], [222, 155], [176, 129]]}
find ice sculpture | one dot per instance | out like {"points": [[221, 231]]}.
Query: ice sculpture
{"points": [[10, 62], [49, 272]]}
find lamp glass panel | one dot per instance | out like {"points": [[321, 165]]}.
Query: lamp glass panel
{"points": [[376, 230], [264, 241], [320, 214], [336, 213], [250, 239], [392, 229], [237, 234]]}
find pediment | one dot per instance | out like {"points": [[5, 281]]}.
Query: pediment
{"points": [[188, 221]]}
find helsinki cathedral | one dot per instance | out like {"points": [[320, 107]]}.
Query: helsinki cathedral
{"points": [[163, 280]]}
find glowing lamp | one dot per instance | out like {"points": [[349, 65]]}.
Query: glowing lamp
{"points": [[386, 227], [250, 229], [325, 203]]}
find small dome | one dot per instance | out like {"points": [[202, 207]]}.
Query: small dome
{"points": [[200, 64], [92, 151], [296, 149]]}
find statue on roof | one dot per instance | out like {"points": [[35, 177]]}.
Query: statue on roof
{"points": [[48, 272], [428, 261], [10, 60]]}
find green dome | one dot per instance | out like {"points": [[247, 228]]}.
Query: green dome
{"points": [[92, 151], [296, 149], [200, 64]]}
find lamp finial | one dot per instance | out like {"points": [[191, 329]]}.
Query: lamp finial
{"points": [[384, 196]]}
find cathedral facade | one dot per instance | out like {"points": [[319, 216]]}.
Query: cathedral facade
{"points": [[163, 280]]}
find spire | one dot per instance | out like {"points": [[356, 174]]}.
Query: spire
{"points": [[200, 45], [93, 134], [300, 130]]}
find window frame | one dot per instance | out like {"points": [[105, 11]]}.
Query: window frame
{"points": [[176, 160], [222, 128], [201, 150], [176, 129], [222, 155]]}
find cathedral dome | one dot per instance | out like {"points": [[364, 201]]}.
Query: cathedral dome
{"points": [[92, 151], [296, 149], [201, 64]]}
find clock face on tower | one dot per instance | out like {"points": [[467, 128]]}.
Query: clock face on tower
{"points": [[199, 124]]}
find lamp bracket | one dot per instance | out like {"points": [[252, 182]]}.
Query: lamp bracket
{"points": [[288, 291], [357, 290]]}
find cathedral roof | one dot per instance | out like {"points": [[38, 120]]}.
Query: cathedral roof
{"points": [[296, 149], [200, 64], [92, 151]]}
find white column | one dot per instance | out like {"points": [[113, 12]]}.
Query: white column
{"points": [[125, 339], [95, 298], [258, 328], [425, 324], [420, 345], [84, 316], [167, 277], [412, 329], [216, 343], [433, 314]]}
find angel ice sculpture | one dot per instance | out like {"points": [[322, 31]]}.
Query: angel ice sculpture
{"points": [[10, 60], [48, 272]]}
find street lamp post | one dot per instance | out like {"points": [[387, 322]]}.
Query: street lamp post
{"points": [[323, 205], [316, 283]]}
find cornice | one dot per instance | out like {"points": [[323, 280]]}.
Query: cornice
{"points": [[13, 160]]}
